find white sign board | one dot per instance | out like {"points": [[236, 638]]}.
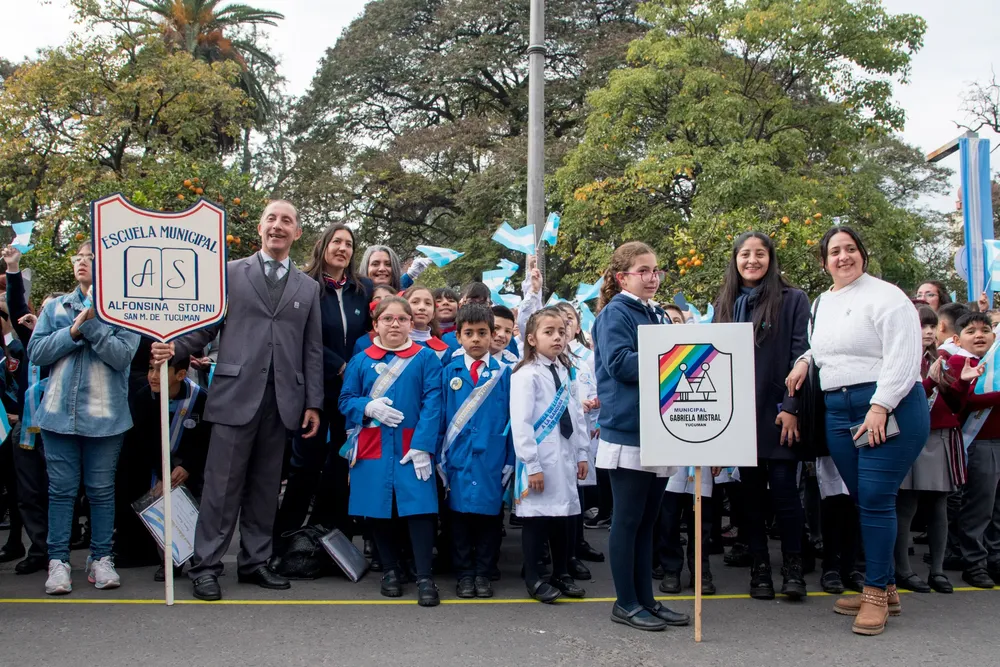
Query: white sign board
{"points": [[159, 274], [697, 402]]}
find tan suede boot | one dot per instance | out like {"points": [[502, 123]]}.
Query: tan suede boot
{"points": [[873, 614], [849, 605]]}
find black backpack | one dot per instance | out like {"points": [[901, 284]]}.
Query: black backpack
{"points": [[304, 557]]}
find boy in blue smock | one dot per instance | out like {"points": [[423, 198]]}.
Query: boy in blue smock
{"points": [[477, 454]]}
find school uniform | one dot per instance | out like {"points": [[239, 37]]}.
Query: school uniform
{"points": [[477, 454], [541, 447], [440, 349], [381, 488]]}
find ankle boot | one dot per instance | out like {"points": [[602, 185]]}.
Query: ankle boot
{"points": [[793, 585], [850, 604], [873, 613], [761, 584]]}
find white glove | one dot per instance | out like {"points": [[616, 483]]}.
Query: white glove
{"points": [[380, 410], [421, 463], [418, 266], [506, 474]]}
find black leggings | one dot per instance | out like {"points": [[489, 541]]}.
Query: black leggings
{"points": [[422, 528], [840, 534], [558, 531], [781, 477]]}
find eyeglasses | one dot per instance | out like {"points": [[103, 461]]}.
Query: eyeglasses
{"points": [[389, 320], [79, 259], [647, 275], [926, 295]]}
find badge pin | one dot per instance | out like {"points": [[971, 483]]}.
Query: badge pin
{"points": [[295, 305], [380, 368], [189, 423], [357, 312], [456, 383], [484, 374]]}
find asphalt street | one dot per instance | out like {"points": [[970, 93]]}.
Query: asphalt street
{"points": [[332, 621]]}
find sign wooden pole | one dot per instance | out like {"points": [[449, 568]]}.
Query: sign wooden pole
{"points": [[168, 516], [697, 554]]}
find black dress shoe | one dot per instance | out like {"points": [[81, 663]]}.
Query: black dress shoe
{"points": [[674, 618], [392, 587], [9, 553], [941, 584], [545, 592], [658, 572], [707, 585], [264, 578], [568, 587], [207, 588], [639, 618], [588, 553], [738, 556], [466, 588], [831, 582], [31, 564], [855, 581], [483, 587], [671, 583], [160, 574], [793, 586], [427, 593], [761, 583], [978, 577], [578, 570], [913, 583]]}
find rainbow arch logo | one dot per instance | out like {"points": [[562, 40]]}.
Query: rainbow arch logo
{"points": [[696, 391]]}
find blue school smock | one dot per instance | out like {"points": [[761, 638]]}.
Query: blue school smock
{"points": [[475, 461], [438, 347], [377, 473], [363, 344], [451, 340]]}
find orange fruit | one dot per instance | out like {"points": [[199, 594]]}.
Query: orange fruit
{"points": [[187, 183], [229, 238], [81, 236], [818, 216], [681, 262], [181, 197], [697, 262], [199, 191], [236, 201], [692, 251], [785, 220], [684, 272], [237, 241]]}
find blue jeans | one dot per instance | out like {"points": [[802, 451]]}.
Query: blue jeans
{"points": [[873, 474], [67, 457], [637, 498]]}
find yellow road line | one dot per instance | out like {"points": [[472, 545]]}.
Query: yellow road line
{"points": [[386, 603]]}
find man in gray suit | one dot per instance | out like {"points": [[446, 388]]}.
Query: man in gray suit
{"points": [[268, 381]]}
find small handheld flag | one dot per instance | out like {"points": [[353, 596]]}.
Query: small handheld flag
{"points": [[495, 279], [518, 240], [22, 235], [551, 230], [553, 300], [440, 256], [586, 292], [508, 266], [586, 318]]}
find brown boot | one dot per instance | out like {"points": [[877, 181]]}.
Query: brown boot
{"points": [[873, 614], [849, 605]]}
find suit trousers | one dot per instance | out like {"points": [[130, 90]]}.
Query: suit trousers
{"points": [[979, 517], [678, 508], [535, 531], [32, 492], [475, 543], [242, 478]]}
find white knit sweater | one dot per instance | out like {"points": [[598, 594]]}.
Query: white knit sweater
{"points": [[866, 332]]}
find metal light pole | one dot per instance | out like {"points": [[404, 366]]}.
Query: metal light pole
{"points": [[536, 128]]}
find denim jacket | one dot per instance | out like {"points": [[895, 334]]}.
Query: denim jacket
{"points": [[87, 392]]}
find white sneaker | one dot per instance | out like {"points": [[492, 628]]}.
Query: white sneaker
{"points": [[59, 581], [102, 573]]}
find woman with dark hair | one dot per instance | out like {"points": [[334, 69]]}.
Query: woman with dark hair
{"points": [[344, 305], [933, 293], [754, 291], [867, 346]]}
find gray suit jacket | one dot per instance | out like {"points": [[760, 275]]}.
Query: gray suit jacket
{"points": [[251, 333]]}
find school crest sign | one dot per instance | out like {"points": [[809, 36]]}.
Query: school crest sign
{"points": [[696, 392], [697, 402], [159, 274]]}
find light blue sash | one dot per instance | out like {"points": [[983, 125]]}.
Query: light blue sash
{"points": [[179, 417], [543, 427], [470, 406], [379, 389], [32, 399]]}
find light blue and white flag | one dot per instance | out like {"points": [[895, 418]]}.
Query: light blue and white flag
{"points": [[510, 300], [586, 292], [553, 300], [551, 230], [586, 318], [440, 256], [495, 279], [508, 266], [518, 240], [977, 211], [22, 238], [697, 317], [993, 263], [989, 381]]}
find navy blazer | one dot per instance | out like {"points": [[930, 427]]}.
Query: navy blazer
{"points": [[338, 344]]}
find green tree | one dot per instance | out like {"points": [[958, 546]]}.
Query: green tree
{"points": [[774, 115]]}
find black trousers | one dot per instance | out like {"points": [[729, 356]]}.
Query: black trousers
{"points": [[780, 477], [475, 543], [840, 534], [675, 509], [8, 479], [387, 533], [559, 532], [32, 492]]}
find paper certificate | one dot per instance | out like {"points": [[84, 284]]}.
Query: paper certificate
{"points": [[185, 518]]}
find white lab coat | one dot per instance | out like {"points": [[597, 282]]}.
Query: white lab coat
{"points": [[531, 392], [586, 378]]}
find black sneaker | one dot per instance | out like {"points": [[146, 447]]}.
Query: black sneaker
{"points": [[483, 587], [597, 522], [761, 584], [793, 586], [831, 582], [392, 587], [707, 585], [855, 581], [671, 583], [427, 593], [738, 556], [466, 588]]}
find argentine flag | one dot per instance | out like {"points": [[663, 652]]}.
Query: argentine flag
{"points": [[22, 235], [495, 279], [989, 381], [553, 300], [551, 230], [510, 300], [508, 266], [586, 318], [440, 256], [698, 317], [586, 292], [518, 240], [993, 263]]}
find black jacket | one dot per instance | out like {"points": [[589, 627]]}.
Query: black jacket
{"points": [[338, 344], [774, 357]]}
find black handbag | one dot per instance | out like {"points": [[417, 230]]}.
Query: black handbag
{"points": [[812, 409]]}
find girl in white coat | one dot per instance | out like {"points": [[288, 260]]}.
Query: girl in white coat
{"points": [[552, 444]]}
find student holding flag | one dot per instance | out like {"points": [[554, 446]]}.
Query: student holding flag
{"points": [[391, 400], [477, 456], [552, 445]]}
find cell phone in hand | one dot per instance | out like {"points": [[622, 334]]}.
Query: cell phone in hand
{"points": [[891, 431]]}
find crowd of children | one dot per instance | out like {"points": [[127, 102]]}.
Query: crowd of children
{"points": [[458, 411]]}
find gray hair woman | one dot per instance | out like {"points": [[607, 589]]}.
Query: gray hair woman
{"points": [[381, 265]]}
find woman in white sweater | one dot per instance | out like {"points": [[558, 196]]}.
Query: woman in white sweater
{"points": [[866, 342]]}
